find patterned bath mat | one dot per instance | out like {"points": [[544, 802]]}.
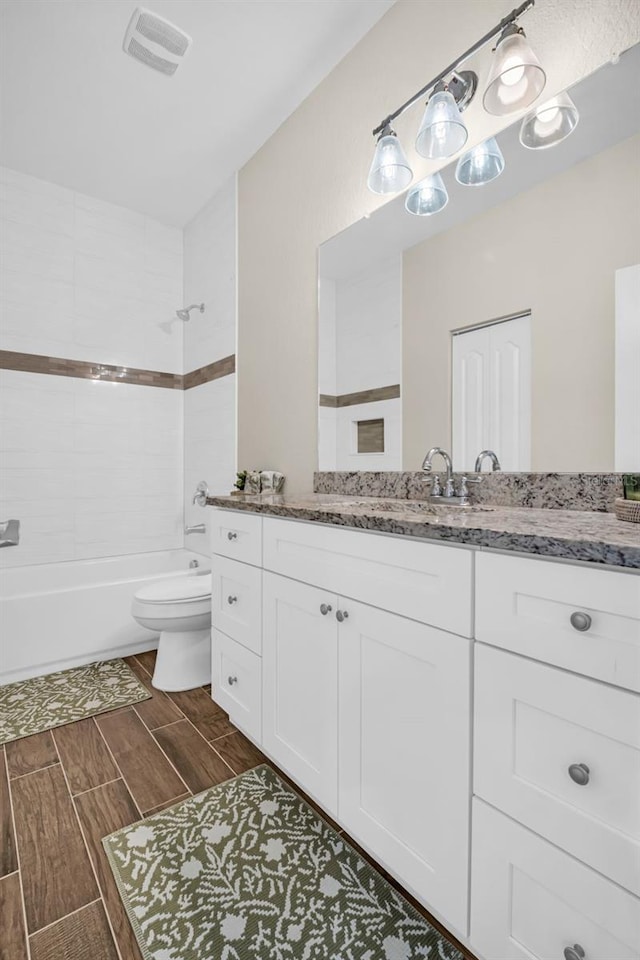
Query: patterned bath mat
{"points": [[247, 871], [42, 703]]}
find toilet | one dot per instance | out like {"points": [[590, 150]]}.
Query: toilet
{"points": [[179, 609]]}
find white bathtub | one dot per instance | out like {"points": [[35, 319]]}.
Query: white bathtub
{"points": [[59, 615]]}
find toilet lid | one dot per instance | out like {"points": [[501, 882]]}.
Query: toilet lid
{"points": [[176, 588]]}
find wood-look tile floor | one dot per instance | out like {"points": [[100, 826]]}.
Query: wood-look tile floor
{"points": [[62, 791]]}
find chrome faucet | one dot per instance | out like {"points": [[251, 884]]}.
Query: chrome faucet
{"points": [[448, 494], [495, 463], [427, 467]]}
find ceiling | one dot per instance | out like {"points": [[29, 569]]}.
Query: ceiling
{"points": [[79, 112]]}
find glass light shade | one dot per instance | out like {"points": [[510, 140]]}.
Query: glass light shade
{"points": [[429, 196], [390, 171], [481, 165], [516, 78], [442, 131], [550, 123]]}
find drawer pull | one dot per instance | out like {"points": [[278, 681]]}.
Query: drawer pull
{"points": [[579, 773], [342, 615], [580, 621], [231, 600], [232, 680], [575, 952], [232, 535], [325, 608]]}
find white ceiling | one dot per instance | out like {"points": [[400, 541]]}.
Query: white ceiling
{"points": [[77, 111]]}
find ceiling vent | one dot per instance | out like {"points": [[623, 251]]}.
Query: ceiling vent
{"points": [[155, 41]]}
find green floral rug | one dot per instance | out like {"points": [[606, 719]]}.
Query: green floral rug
{"points": [[41, 703], [247, 871]]}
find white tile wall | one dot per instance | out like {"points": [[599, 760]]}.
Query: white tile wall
{"points": [[210, 277], [96, 469], [85, 279], [91, 469], [360, 349], [210, 409]]}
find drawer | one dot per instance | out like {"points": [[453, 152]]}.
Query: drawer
{"points": [[237, 683], [422, 581], [237, 535], [527, 605], [236, 601], [531, 901], [535, 727]]}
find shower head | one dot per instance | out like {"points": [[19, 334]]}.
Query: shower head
{"points": [[183, 314]]}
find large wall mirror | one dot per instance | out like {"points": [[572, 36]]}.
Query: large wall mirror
{"points": [[508, 320]]}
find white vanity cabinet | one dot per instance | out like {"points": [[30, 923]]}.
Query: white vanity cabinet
{"points": [[368, 710], [347, 656]]}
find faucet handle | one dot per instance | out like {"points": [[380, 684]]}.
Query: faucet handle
{"points": [[436, 489]]}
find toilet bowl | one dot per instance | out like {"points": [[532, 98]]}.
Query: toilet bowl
{"points": [[179, 609]]}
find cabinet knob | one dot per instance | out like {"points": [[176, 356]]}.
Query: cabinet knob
{"points": [[232, 680], [231, 600], [325, 608], [232, 535], [579, 773], [580, 621], [576, 952], [342, 615]]}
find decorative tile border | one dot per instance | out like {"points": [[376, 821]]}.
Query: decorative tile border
{"points": [[362, 396], [558, 491], [85, 370], [213, 371]]}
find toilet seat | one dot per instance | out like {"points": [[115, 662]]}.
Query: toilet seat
{"points": [[176, 590]]}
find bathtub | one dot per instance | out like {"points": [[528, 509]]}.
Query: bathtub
{"points": [[59, 615]]}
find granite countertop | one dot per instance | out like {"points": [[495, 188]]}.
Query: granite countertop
{"points": [[569, 534]]}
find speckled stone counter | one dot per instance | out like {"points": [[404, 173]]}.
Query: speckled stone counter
{"points": [[568, 534]]}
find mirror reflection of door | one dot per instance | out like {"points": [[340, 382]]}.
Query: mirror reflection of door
{"points": [[492, 394]]}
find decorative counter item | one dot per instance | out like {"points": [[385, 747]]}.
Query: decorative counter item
{"points": [[272, 481], [631, 484], [253, 484], [241, 480], [627, 510]]}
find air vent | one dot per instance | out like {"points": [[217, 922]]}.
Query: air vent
{"points": [[155, 41]]}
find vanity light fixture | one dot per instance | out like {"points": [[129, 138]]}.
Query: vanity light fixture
{"points": [[390, 171], [516, 79], [550, 123], [480, 165], [427, 197]]}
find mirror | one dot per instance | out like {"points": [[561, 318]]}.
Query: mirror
{"points": [[510, 320]]}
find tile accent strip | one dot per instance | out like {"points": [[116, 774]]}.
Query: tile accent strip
{"points": [[362, 396], [86, 370], [212, 371], [551, 491]]}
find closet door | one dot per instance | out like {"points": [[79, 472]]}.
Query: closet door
{"points": [[492, 394]]}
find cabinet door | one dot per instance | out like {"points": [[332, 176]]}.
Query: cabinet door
{"points": [[532, 901], [404, 752], [300, 684]]}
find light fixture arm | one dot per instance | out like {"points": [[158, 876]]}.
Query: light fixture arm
{"points": [[453, 67]]}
